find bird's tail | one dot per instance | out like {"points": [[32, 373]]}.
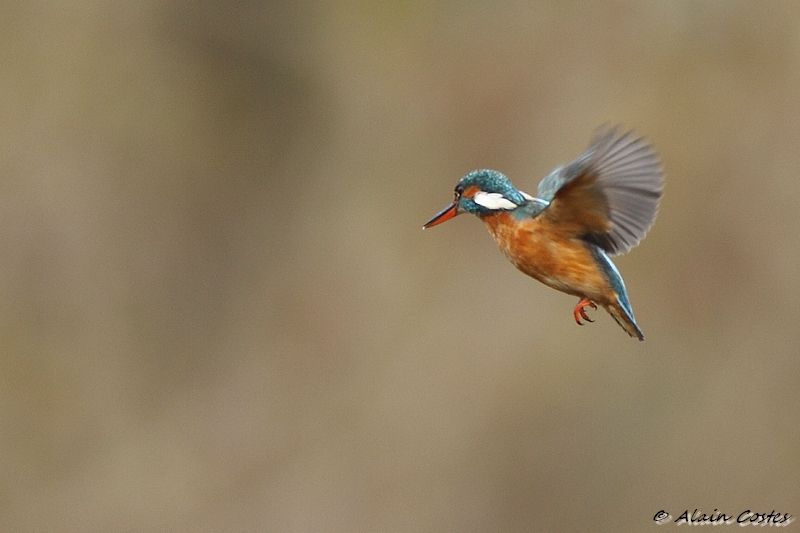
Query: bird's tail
{"points": [[624, 317]]}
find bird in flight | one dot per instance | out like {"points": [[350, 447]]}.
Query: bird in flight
{"points": [[601, 204]]}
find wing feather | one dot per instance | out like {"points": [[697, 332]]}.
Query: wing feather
{"points": [[610, 194]]}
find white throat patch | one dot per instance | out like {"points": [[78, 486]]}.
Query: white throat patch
{"points": [[493, 200]]}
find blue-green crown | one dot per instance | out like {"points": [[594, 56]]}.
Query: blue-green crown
{"points": [[487, 180]]}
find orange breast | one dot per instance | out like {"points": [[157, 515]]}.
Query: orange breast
{"points": [[543, 251]]}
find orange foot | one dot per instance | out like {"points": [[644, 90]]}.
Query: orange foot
{"points": [[580, 310]]}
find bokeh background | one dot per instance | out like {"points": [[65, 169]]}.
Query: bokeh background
{"points": [[219, 310]]}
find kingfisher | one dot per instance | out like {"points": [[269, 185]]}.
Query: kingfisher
{"points": [[601, 204]]}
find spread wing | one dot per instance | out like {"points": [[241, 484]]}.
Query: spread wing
{"points": [[610, 194]]}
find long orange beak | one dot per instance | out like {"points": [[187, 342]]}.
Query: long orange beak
{"points": [[442, 216]]}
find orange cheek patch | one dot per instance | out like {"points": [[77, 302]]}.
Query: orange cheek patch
{"points": [[470, 191]]}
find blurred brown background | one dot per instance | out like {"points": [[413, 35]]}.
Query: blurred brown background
{"points": [[219, 310]]}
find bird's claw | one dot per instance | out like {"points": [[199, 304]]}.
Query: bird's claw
{"points": [[580, 311]]}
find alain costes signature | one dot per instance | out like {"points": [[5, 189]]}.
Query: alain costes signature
{"points": [[745, 518]]}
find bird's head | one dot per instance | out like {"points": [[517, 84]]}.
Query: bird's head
{"points": [[481, 192]]}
